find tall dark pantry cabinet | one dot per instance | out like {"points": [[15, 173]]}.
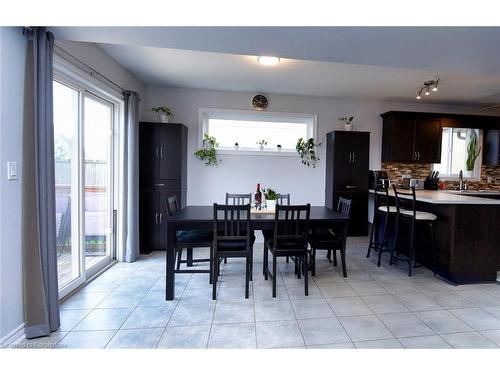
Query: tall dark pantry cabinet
{"points": [[162, 173], [347, 163]]}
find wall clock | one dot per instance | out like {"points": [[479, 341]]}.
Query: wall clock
{"points": [[260, 102]]}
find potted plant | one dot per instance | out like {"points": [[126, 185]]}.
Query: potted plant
{"points": [[236, 146], [208, 152], [164, 112], [306, 149], [278, 147], [261, 144], [271, 197], [347, 122], [473, 151]]}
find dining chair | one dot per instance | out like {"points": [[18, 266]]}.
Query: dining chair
{"points": [[189, 239], [233, 238], [331, 240], [238, 199], [283, 199], [406, 204], [288, 239]]}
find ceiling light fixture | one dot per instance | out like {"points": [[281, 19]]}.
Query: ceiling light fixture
{"points": [[427, 87], [268, 60], [419, 94]]}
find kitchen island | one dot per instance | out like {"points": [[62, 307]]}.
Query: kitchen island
{"points": [[467, 234]]}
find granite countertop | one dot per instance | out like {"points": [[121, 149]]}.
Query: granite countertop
{"points": [[452, 197]]}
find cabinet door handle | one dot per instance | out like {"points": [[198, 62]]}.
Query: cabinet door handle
{"points": [[353, 157], [161, 215], [159, 184], [350, 157], [156, 217], [161, 152]]}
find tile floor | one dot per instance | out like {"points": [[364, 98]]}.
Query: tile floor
{"points": [[371, 308]]}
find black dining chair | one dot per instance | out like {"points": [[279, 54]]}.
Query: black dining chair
{"points": [[189, 239], [232, 238], [331, 240], [283, 199], [406, 205], [288, 239], [238, 199]]}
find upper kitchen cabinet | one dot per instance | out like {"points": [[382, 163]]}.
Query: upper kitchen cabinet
{"points": [[410, 137]]}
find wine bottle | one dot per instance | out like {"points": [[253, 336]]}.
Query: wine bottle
{"points": [[258, 197]]}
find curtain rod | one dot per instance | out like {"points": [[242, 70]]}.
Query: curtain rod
{"points": [[92, 71]]}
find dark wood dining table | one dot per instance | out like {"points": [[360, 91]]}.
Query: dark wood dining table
{"points": [[201, 218]]}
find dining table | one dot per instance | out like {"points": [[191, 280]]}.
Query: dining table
{"points": [[201, 218]]}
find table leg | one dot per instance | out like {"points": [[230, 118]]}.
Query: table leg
{"points": [[170, 263]]}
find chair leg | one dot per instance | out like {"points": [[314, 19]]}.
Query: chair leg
{"points": [[379, 255], [225, 260], [214, 278], [264, 260], [306, 274], [266, 263], [287, 259], [211, 265], [189, 257], [251, 263], [274, 276], [334, 252], [342, 258], [313, 261], [329, 256], [247, 278], [179, 256], [372, 232], [297, 267]]}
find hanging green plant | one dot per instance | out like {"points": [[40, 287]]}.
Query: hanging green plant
{"points": [[473, 151], [208, 152], [307, 151]]}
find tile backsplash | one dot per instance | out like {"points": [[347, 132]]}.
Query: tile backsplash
{"points": [[421, 171]]}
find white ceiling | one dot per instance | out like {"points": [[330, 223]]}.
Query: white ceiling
{"points": [[218, 71], [380, 63]]}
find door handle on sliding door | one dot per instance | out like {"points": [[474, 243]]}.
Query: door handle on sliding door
{"points": [[161, 215], [161, 152], [156, 217]]}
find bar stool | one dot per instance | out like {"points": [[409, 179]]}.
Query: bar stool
{"points": [[407, 213], [382, 209]]}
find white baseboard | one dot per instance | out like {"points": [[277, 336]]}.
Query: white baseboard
{"points": [[13, 338]]}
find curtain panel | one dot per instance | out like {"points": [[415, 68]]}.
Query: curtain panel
{"points": [[41, 305]]}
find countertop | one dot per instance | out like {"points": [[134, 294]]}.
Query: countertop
{"points": [[452, 197]]}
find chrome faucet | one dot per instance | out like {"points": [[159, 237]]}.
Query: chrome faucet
{"points": [[462, 185]]}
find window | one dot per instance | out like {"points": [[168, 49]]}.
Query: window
{"points": [[246, 128], [454, 153]]}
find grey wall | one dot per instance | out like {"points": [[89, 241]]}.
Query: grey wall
{"points": [[12, 66], [239, 173]]}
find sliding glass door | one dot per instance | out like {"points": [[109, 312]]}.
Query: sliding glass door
{"points": [[83, 148]]}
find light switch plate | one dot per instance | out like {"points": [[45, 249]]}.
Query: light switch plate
{"points": [[11, 170]]}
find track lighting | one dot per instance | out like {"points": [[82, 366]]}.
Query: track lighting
{"points": [[428, 86]]}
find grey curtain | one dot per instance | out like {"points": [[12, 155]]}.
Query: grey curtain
{"points": [[41, 305], [130, 203]]}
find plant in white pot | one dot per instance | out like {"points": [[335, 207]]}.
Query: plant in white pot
{"points": [[473, 151], [261, 144], [271, 197], [347, 120], [164, 112]]}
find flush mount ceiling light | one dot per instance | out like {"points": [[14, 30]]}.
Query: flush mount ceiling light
{"points": [[431, 85], [268, 60]]}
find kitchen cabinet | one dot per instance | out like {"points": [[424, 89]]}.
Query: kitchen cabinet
{"points": [[347, 164], [491, 147], [162, 173], [411, 138]]}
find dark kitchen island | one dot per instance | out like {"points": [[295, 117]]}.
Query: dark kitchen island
{"points": [[467, 235]]}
